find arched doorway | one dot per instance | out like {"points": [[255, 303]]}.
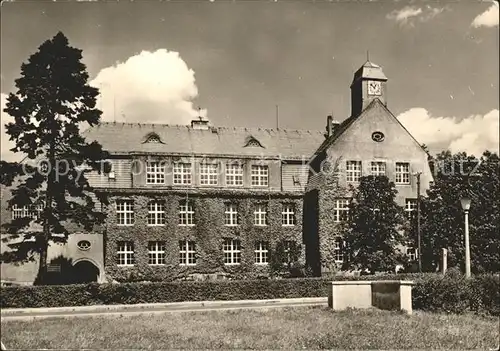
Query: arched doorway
{"points": [[85, 272]]}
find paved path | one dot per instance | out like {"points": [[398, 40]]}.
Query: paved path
{"points": [[150, 309]]}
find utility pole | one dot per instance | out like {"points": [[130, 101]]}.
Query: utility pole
{"points": [[418, 174]]}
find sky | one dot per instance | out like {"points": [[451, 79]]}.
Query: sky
{"points": [[235, 61]]}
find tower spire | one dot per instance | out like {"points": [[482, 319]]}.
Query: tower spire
{"points": [[367, 55]]}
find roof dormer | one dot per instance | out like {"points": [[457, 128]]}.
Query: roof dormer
{"points": [[200, 123], [252, 142], [152, 138]]}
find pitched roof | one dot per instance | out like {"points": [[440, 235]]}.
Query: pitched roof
{"points": [[369, 70], [336, 134], [348, 122], [125, 138]]}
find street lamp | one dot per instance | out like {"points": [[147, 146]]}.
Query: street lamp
{"points": [[417, 175], [465, 201]]}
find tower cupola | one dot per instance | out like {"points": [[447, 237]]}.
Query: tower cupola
{"points": [[369, 83]]}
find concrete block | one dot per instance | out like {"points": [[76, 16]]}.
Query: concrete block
{"points": [[393, 295], [350, 294], [405, 297]]}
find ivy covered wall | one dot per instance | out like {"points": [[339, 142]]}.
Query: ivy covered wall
{"points": [[208, 232], [320, 228], [328, 229]]}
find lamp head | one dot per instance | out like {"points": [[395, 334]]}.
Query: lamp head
{"points": [[465, 201]]}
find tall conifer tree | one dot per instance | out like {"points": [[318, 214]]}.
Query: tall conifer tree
{"points": [[52, 102]]}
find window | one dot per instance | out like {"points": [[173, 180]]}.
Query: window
{"points": [[125, 253], [231, 214], [186, 213], [378, 136], [125, 212], [410, 207], [84, 245], [402, 173], [353, 171], [31, 211], [338, 250], [260, 175], [234, 174], [155, 172], [261, 252], [187, 253], [20, 212], [287, 249], [156, 213], [232, 252], [208, 174], [153, 139], [182, 173], [411, 253], [340, 210], [260, 215], [156, 253], [296, 180], [252, 142], [378, 168], [288, 215]]}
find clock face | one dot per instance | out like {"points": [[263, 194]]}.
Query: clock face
{"points": [[374, 88]]}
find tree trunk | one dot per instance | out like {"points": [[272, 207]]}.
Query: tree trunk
{"points": [[44, 247], [42, 265]]}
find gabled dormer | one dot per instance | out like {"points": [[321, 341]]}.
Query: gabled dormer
{"points": [[252, 142]]}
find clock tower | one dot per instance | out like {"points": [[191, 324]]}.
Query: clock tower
{"points": [[369, 83]]}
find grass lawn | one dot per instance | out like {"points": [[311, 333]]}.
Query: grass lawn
{"points": [[289, 328]]}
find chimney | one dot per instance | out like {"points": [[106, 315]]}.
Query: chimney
{"points": [[331, 126], [200, 123]]}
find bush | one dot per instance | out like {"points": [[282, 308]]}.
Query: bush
{"points": [[444, 294], [432, 292], [456, 294], [131, 293]]}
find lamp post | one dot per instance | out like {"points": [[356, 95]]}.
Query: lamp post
{"points": [[417, 175], [465, 201]]}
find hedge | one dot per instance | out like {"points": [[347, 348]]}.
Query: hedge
{"points": [[451, 294]]}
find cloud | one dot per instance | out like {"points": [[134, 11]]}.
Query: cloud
{"points": [[488, 18], [150, 87], [473, 135], [404, 14], [408, 15]]}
